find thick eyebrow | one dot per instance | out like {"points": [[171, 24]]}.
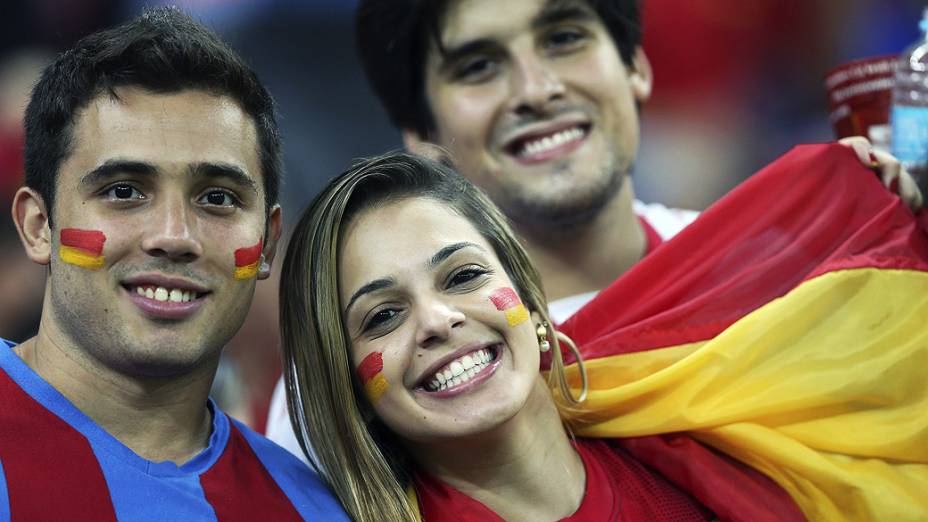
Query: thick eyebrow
{"points": [[556, 11], [553, 12], [373, 286], [112, 168], [446, 252], [228, 171], [452, 55], [116, 167]]}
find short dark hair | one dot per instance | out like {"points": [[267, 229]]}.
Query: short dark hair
{"points": [[393, 38], [163, 51]]}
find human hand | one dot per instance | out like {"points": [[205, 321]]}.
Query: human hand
{"points": [[894, 176]]}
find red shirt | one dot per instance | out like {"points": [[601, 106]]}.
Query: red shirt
{"points": [[617, 488]]}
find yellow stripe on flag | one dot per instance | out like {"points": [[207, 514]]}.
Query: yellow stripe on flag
{"points": [[516, 315], [81, 258], [246, 272], [824, 390]]}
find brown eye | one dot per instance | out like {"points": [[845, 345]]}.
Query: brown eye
{"points": [[123, 192], [466, 275], [218, 198]]}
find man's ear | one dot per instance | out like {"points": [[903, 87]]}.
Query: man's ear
{"points": [[270, 243], [31, 219], [640, 76], [420, 146]]}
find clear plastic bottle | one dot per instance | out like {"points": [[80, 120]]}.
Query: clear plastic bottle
{"points": [[910, 107]]}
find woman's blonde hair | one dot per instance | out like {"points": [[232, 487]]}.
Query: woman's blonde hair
{"points": [[361, 460]]}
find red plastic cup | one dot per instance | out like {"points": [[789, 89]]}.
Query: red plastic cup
{"points": [[859, 97]]}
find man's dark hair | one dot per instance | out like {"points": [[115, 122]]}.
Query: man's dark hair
{"points": [[162, 51], [394, 36]]}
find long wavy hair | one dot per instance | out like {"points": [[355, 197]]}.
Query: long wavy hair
{"points": [[363, 462]]}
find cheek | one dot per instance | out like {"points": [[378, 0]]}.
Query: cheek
{"points": [[370, 372], [466, 120], [247, 260], [507, 301], [82, 248]]}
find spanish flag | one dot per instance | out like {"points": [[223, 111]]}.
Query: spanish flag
{"points": [[247, 261], [83, 248], [772, 359]]}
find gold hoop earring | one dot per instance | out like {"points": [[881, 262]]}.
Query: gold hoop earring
{"points": [[542, 332], [562, 338]]}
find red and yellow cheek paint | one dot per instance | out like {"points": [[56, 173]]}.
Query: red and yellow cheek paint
{"points": [[370, 371], [83, 248], [507, 301], [247, 261]]}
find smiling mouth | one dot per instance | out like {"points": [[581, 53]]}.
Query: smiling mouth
{"points": [[164, 294], [462, 369], [537, 146]]}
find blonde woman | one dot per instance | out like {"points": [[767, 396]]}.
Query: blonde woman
{"points": [[414, 328]]}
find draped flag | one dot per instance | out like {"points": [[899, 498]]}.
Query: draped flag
{"points": [[785, 330]]}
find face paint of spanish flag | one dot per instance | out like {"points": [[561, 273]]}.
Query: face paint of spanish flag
{"points": [[83, 248], [369, 371], [247, 261], [507, 301]]}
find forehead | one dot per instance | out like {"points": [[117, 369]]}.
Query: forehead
{"points": [[399, 238], [170, 131], [466, 20]]}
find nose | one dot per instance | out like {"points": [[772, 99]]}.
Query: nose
{"points": [[437, 320], [171, 231], [534, 84]]}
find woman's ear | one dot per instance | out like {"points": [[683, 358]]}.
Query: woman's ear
{"points": [[31, 219], [536, 318]]}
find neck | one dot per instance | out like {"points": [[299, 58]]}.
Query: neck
{"points": [[164, 419], [525, 469], [589, 257]]}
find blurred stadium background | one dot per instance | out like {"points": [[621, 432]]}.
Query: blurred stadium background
{"points": [[737, 83]]}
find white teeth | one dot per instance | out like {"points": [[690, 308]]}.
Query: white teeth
{"points": [[549, 142], [160, 293], [460, 370]]}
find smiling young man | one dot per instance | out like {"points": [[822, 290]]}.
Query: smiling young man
{"points": [[152, 171], [536, 102]]}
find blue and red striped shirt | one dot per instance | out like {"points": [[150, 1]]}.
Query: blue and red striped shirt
{"points": [[57, 464]]}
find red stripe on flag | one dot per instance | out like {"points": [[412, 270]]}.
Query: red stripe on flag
{"points": [[247, 256], [505, 298], [51, 470], [87, 240], [370, 367], [239, 487], [760, 241], [732, 490]]}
